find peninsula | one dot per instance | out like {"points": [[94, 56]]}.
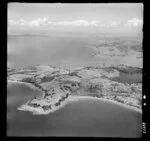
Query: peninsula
{"points": [[61, 85]]}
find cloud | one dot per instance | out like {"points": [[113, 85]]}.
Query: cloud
{"points": [[115, 23], [12, 22], [46, 21], [134, 22], [76, 23], [22, 22], [39, 22]]}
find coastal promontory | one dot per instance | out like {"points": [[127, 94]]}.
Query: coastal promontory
{"points": [[59, 85]]}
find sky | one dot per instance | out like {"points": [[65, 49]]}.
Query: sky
{"points": [[121, 17]]}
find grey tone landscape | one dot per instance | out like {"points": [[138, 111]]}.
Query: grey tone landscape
{"points": [[74, 71]]}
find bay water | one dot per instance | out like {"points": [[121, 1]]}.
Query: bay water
{"points": [[85, 117]]}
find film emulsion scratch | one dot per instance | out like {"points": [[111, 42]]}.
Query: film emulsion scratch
{"points": [[75, 70]]}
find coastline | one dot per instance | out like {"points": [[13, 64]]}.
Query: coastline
{"points": [[39, 111], [70, 99], [76, 98], [25, 83]]}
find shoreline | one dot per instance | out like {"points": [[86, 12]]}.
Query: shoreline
{"points": [[72, 99], [39, 111], [76, 98], [30, 85]]}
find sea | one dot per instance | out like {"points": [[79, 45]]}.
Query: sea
{"points": [[59, 51], [82, 118], [67, 50]]}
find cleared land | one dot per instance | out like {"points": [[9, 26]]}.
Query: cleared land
{"points": [[59, 85]]}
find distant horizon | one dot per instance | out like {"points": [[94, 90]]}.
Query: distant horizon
{"points": [[54, 32], [111, 18]]}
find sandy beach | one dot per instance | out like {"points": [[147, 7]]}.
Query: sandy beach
{"points": [[75, 98]]}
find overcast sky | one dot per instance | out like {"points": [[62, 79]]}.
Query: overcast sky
{"points": [[125, 17]]}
